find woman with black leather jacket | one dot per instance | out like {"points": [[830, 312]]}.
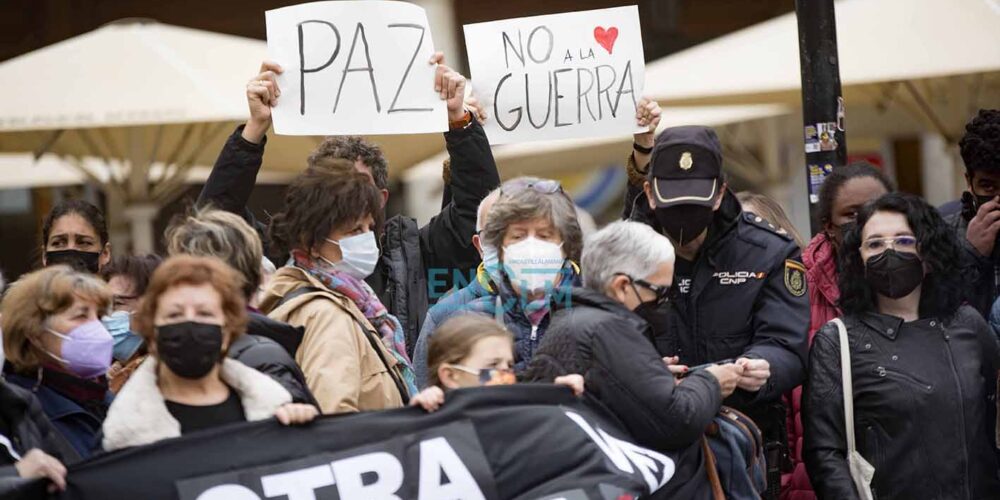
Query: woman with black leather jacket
{"points": [[924, 366]]}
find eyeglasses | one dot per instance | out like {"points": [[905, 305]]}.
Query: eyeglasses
{"points": [[490, 376], [662, 291], [544, 186], [894, 242]]}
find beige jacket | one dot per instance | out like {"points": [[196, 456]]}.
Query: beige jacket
{"points": [[342, 369], [139, 414]]}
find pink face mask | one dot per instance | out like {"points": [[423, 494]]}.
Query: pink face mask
{"points": [[86, 349]]}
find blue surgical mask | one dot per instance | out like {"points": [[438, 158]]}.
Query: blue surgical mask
{"points": [[126, 342], [491, 262], [360, 255]]}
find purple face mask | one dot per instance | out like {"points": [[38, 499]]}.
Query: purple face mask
{"points": [[86, 349]]}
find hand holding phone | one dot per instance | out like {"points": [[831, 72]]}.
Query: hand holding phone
{"points": [[706, 365]]}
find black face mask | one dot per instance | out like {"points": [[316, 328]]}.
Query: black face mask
{"points": [[982, 200], [841, 232], [79, 260], [649, 310], [684, 223], [189, 349], [894, 274]]}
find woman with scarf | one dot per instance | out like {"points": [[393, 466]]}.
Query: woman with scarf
{"points": [[353, 351], [57, 348], [530, 244], [843, 193]]}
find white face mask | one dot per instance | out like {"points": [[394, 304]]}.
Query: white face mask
{"points": [[359, 255], [533, 264]]}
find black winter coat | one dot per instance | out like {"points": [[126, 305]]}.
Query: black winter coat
{"points": [[922, 407], [982, 273], [610, 346], [269, 347], [27, 428], [748, 298], [410, 254]]}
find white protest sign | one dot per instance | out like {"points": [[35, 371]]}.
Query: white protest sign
{"points": [[354, 67], [572, 75]]}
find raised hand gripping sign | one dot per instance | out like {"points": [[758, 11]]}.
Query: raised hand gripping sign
{"points": [[354, 67], [572, 75]]}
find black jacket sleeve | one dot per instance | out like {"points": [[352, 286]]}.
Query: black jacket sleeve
{"points": [[781, 332], [233, 178], [825, 442], [990, 369], [981, 270], [446, 241], [630, 378], [268, 357]]}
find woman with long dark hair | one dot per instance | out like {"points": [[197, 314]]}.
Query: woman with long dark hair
{"points": [[923, 365]]}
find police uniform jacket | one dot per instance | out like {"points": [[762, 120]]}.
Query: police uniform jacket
{"points": [[747, 299]]}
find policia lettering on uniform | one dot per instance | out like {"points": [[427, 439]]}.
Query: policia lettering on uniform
{"points": [[747, 291]]}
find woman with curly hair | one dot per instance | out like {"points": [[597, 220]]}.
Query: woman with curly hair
{"points": [[353, 351], [923, 366]]}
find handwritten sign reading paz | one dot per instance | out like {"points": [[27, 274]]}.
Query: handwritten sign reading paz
{"points": [[354, 67], [572, 75]]}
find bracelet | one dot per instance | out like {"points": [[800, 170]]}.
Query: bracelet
{"points": [[464, 122], [642, 149]]}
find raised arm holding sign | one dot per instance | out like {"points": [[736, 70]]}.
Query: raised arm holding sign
{"points": [[572, 75], [353, 67]]}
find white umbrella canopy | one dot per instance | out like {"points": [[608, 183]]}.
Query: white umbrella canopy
{"points": [[137, 93], [555, 157], [740, 128], [938, 59]]}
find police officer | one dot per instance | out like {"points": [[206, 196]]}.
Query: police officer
{"points": [[739, 287]]}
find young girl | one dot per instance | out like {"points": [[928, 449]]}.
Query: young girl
{"points": [[470, 351]]}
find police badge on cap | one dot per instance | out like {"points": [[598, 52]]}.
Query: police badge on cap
{"points": [[686, 167]]}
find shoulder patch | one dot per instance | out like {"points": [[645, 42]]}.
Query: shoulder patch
{"points": [[795, 277]]}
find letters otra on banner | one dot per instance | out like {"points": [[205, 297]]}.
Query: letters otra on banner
{"points": [[354, 67], [572, 75], [512, 442]]}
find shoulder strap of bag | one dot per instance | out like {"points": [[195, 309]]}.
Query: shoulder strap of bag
{"points": [[712, 471], [848, 385], [298, 292], [370, 336]]}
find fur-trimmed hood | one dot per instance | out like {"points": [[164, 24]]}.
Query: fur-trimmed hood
{"points": [[139, 413]]}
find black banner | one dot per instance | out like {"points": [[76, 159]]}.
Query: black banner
{"points": [[513, 442]]}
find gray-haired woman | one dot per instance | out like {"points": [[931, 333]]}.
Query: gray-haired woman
{"points": [[533, 232]]}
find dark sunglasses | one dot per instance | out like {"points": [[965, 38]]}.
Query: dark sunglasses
{"points": [[662, 291]]}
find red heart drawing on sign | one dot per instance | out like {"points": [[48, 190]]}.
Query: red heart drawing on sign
{"points": [[606, 37]]}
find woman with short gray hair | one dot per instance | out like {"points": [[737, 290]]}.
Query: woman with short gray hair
{"points": [[604, 336], [626, 249], [533, 229]]}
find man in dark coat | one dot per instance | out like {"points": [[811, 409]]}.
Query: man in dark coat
{"points": [[603, 336], [978, 223], [740, 285], [409, 253]]}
